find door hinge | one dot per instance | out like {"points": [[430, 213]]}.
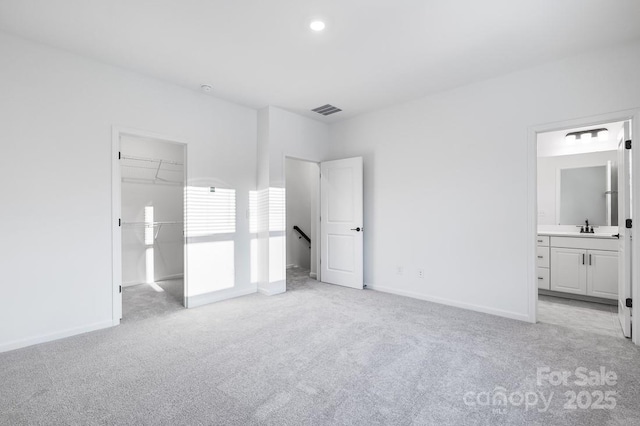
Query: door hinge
{"points": [[628, 223], [119, 222], [628, 303], [120, 288], [119, 155], [627, 144]]}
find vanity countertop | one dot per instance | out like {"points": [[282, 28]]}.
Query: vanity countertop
{"points": [[577, 234]]}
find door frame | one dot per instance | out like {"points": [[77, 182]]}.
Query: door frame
{"points": [[532, 204], [116, 211], [316, 215]]}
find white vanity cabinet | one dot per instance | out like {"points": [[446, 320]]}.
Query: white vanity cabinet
{"points": [[586, 266]]}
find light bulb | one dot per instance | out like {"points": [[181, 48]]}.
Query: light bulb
{"points": [[570, 138], [603, 135], [317, 26], [585, 137]]}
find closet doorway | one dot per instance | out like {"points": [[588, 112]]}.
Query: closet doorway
{"points": [[151, 176]]}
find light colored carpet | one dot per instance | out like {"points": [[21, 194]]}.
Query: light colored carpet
{"points": [[143, 301], [318, 354]]}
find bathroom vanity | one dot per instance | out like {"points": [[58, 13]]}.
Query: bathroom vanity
{"points": [[581, 264]]}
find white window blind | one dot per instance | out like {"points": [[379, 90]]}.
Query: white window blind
{"points": [[209, 211], [277, 209]]}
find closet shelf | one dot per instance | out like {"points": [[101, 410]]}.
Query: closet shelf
{"points": [[151, 223], [151, 170], [151, 160]]}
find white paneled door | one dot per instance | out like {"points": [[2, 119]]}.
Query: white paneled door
{"points": [[341, 222], [624, 213]]}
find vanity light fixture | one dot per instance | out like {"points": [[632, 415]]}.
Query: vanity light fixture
{"points": [[602, 134]]}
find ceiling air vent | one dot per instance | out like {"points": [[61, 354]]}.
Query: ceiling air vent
{"points": [[326, 109]]}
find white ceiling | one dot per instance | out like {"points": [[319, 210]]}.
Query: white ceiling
{"points": [[373, 53]]}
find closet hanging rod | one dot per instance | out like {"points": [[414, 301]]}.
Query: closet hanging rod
{"points": [[152, 167], [152, 181], [151, 160]]}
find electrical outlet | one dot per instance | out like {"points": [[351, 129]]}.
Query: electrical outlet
{"points": [[420, 273], [399, 270]]}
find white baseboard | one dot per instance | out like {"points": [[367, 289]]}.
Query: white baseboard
{"points": [[454, 303], [268, 292], [22, 343], [313, 275], [166, 278], [217, 296], [171, 277], [291, 265], [273, 288]]}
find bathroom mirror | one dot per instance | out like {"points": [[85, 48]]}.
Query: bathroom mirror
{"points": [[588, 193]]}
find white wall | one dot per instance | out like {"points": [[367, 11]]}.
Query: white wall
{"points": [[446, 177], [301, 182], [547, 179], [281, 134], [168, 206], [57, 113]]}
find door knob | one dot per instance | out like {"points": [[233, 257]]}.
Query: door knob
{"points": [[356, 229]]}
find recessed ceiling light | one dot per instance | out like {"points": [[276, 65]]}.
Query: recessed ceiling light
{"points": [[206, 88], [317, 25]]}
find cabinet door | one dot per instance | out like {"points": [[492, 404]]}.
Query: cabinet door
{"points": [[602, 276], [569, 270]]}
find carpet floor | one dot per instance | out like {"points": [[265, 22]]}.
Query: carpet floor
{"points": [[144, 301], [322, 354]]}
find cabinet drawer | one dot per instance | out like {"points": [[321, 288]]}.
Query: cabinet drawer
{"points": [[542, 241], [543, 278], [542, 257]]}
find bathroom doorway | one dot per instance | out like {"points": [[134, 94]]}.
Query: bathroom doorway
{"points": [[582, 249]]}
